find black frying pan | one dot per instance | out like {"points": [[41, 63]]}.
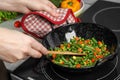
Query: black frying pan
{"points": [[85, 30]]}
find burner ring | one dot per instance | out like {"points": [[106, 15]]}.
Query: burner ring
{"points": [[111, 70], [105, 9], [43, 71], [118, 77]]}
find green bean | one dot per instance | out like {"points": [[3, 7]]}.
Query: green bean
{"points": [[71, 60], [88, 48], [94, 40], [64, 59]]}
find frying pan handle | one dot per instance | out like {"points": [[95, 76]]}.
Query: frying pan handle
{"points": [[108, 58]]}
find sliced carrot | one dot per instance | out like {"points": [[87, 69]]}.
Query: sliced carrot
{"points": [[68, 45], [80, 50], [87, 41], [76, 38], [95, 53], [54, 56], [98, 49], [78, 66], [99, 56], [93, 60], [80, 42], [99, 43]]}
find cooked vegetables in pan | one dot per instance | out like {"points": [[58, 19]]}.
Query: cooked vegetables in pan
{"points": [[94, 50]]}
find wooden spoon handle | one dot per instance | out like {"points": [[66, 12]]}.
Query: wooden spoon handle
{"points": [[65, 53]]}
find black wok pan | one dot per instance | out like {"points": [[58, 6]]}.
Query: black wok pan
{"points": [[85, 30]]}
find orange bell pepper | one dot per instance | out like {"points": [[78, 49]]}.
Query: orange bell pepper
{"points": [[71, 4]]}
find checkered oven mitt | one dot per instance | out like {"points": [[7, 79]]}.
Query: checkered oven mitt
{"points": [[41, 23]]}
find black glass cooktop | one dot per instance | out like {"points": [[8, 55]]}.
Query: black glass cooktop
{"points": [[102, 12], [105, 13]]}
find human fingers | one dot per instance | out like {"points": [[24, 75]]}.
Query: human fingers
{"points": [[34, 53], [38, 46], [50, 10], [24, 11], [51, 5], [54, 9]]}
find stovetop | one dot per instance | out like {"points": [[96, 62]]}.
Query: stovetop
{"points": [[102, 12], [105, 13]]}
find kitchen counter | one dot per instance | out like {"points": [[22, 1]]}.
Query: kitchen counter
{"points": [[9, 24]]}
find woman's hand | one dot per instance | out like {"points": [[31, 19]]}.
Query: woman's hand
{"points": [[15, 45], [26, 6]]}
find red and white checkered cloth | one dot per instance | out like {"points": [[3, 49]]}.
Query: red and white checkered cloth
{"points": [[41, 23]]}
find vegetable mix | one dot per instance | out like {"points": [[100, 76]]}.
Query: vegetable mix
{"points": [[94, 50]]}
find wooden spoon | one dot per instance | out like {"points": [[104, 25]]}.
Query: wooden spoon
{"points": [[65, 53]]}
